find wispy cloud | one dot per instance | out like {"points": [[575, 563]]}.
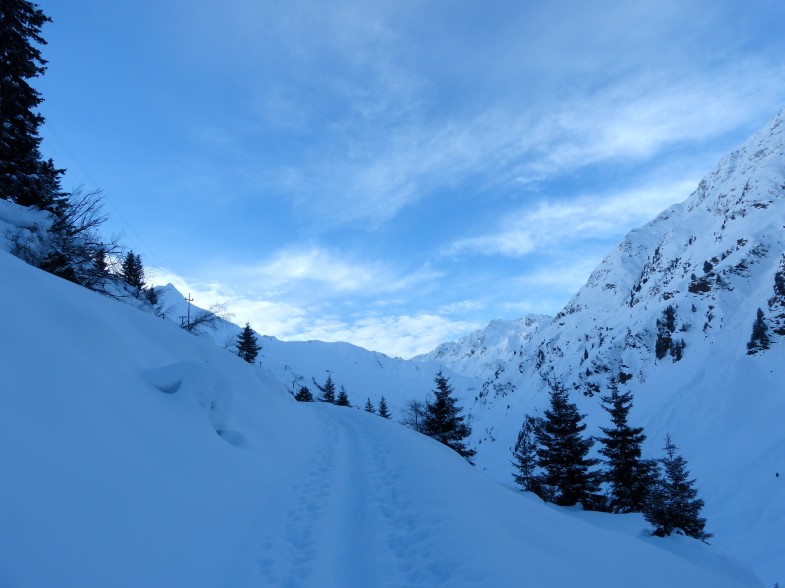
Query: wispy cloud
{"points": [[397, 334], [332, 273], [565, 223]]}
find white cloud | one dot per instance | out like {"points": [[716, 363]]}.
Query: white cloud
{"points": [[565, 223], [401, 335]]}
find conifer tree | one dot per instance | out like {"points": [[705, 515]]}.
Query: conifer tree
{"points": [[25, 178], [525, 457], [384, 410], [328, 390], [132, 271], [247, 345], [303, 395], [343, 398], [628, 475], [674, 505], [443, 420], [760, 337], [562, 454], [369, 407]]}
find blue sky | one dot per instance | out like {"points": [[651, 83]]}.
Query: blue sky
{"points": [[396, 174]]}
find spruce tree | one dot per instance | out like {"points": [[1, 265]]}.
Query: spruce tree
{"points": [[760, 337], [343, 398], [25, 178], [247, 344], [328, 390], [132, 271], [674, 506], [384, 410], [628, 475], [562, 454], [443, 420], [303, 395], [525, 457], [369, 407]]}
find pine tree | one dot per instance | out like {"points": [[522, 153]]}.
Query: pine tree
{"points": [[25, 178], [525, 457], [132, 271], [343, 398], [443, 420], [328, 390], [760, 337], [665, 328], [674, 505], [303, 395], [384, 410], [247, 344], [628, 475], [369, 407], [562, 454]]}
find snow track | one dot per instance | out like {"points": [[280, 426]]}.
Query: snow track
{"points": [[354, 503]]}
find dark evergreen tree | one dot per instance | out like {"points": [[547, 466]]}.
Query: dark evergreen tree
{"points": [[665, 328], [629, 477], [303, 395], [328, 390], [369, 407], [384, 410], [151, 295], [343, 398], [674, 506], [525, 457], [563, 455], [443, 420], [25, 178], [247, 345], [132, 271], [760, 336]]}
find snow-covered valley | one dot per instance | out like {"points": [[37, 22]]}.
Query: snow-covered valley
{"points": [[714, 260], [135, 454]]}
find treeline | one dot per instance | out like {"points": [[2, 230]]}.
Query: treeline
{"points": [[552, 460]]}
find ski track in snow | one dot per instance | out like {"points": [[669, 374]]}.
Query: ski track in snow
{"points": [[352, 502]]}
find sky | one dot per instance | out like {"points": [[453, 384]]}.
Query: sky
{"points": [[396, 174]]}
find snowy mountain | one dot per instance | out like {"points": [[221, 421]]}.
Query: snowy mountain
{"points": [[135, 454], [669, 314]]}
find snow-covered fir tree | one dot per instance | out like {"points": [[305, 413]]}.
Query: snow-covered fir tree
{"points": [[525, 457], [562, 454], [247, 345], [760, 337], [327, 390], [628, 475], [674, 506], [443, 419], [369, 406], [384, 410], [343, 398], [303, 395]]}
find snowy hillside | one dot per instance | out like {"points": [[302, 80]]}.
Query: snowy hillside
{"points": [[714, 260], [135, 454], [365, 374]]}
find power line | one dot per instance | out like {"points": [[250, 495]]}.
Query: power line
{"points": [[96, 185]]}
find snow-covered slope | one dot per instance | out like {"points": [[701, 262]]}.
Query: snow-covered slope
{"points": [[365, 374], [134, 454], [714, 260]]}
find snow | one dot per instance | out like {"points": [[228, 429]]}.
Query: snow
{"points": [[135, 454]]}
